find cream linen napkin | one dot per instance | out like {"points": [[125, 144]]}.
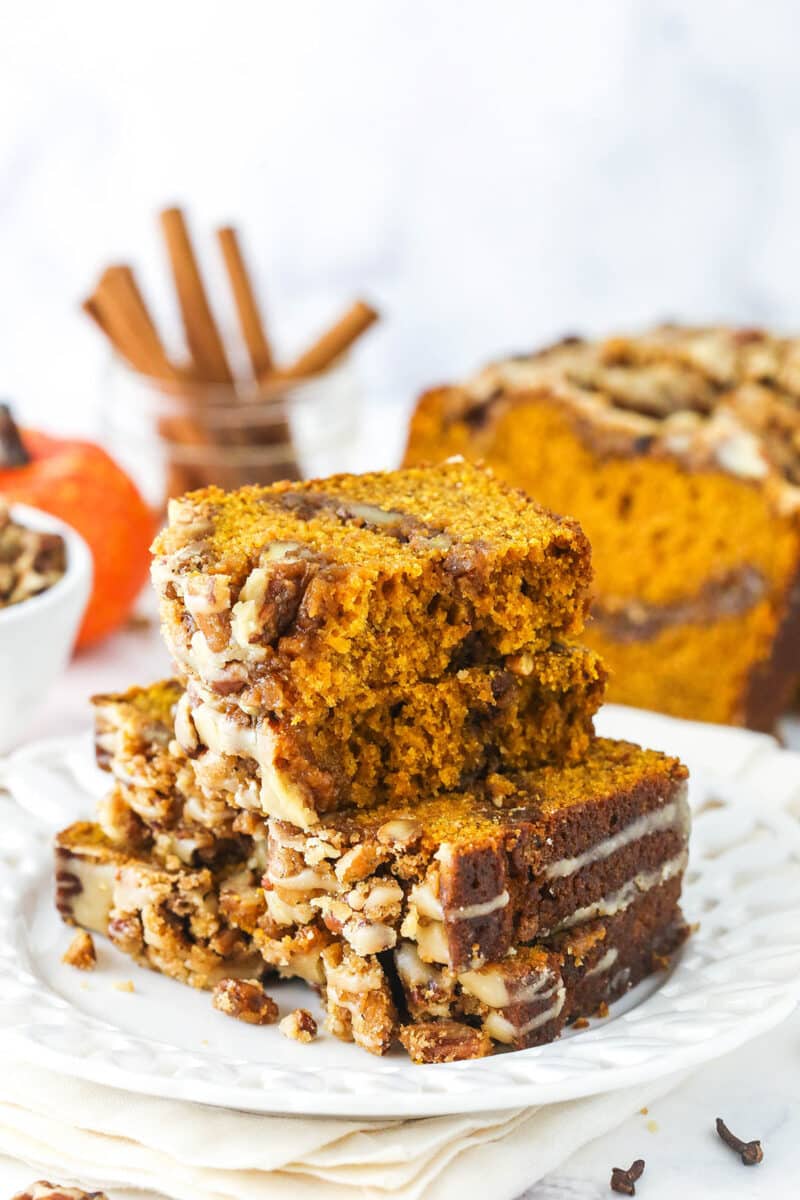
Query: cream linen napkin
{"points": [[100, 1137]]}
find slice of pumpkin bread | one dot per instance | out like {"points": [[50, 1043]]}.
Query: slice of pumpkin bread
{"points": [[186, 763], [294, 598], [466, 877], [207, 928]]}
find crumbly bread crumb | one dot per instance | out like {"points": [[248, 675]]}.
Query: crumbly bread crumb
{"points": [[81, 952], [124, 985], [246, 1000], [444, 1041], [299, 1025]]}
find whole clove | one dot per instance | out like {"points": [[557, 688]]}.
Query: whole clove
{"points": [[751, 1152], [625, 1181]]}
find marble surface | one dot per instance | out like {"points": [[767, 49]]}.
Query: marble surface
{"points": [[756, 1090]]}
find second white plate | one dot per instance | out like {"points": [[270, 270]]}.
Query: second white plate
{"points": [[738, 976]]}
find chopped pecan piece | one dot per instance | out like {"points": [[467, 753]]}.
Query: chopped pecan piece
{"points": [[30, 561], [81, 952], [444, 1041], [401, 832], [521, 664], [127, 934], [242, 906], [299, 1025], [358, 999], [359, 862], [246, 1000]]}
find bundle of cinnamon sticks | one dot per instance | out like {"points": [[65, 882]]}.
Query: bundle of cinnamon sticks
{"points": [[199, 443]]}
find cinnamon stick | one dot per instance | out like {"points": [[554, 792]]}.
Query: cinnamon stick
{"points": [[202, 334], [89, 306], [250, 319], [333, 342], [122, 339], [119, 309], [122, 307], [235, 435]]}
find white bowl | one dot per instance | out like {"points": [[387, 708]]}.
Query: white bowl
{"points": [[37, 635]]}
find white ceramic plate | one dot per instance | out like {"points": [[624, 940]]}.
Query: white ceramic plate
{"points": [[738, 976]]}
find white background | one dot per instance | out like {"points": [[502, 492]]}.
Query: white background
{"points": [[491, 173]]}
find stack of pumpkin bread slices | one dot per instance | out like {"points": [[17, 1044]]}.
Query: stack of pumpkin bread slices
{"points": [[376, 770]]}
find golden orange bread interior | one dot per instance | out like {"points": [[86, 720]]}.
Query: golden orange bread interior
{"points": [[163, 743]]}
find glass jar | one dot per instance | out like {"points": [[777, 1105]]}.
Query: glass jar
{"points": [[174, 437]]}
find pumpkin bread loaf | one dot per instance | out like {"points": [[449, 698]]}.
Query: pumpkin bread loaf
{"points": [[679, 452]]}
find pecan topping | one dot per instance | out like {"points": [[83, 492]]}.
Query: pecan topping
{"points": [[402, 832], [246, 1000], [126, 933], [359, 862], [30, 562], [208, 599], [444, 1041], [299, 1025]]}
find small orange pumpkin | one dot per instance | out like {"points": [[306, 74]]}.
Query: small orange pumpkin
{"points": [[82, 485]]}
